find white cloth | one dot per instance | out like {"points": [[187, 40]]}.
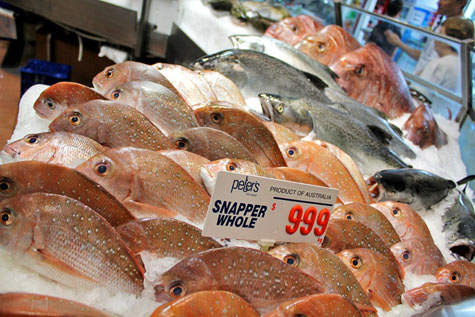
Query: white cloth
{"points": [[445, 72], [428, 53]]}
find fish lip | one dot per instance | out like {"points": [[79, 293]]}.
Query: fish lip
{"points": [[39, 113], [10, 151], [463, 249], [266, 106]]}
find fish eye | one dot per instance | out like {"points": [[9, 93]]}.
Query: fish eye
{"points": [[396, 212], [454, 277], [110, 72], [406, 256], [231, 167], [356, 262], [280, 108], [75, 118], [349, 216], [6, 217], [116, 94], [216, 117], [177, 290], [291, 151], [181, 143], [294, 28], [359, 70], [292, 259], [320, 47], [49, 102], [102, 168], [32, 139], [5, 185]]}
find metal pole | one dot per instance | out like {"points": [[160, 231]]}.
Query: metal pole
{"points": [[141, 29], [338, 14], [467, 89]]}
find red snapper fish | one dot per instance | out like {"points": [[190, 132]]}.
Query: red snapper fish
{"points": [[438, 294], [207, 303], [369, 76], [421, 257], [457, 272], [57, 98], [292, 30], [66, 241], [328, 45], [422, 129]]}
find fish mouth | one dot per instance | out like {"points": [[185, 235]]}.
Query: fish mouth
{"points": [[39, 113], [11, 151], [376, 190], [208, 180], [266, 105], [463, 249], [159, 291]]}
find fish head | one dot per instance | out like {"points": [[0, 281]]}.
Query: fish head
{"points": [[186, 277], [293, 29], [32, 146], [394, 185], [216, 115], [418, 256], [17, 223], [317, 47], [111, 76], [457, 272], [460, 245], [294, 254], [112, 170], [51, 102], [181, 140], [73, 119], [423, 130], [353, 72]]}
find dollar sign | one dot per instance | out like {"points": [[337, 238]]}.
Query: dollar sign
{"points": [[273, 206]]}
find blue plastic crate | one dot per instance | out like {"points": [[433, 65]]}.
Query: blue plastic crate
{"points": [[42, 72]]}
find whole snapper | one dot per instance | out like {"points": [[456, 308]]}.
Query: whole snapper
{"points": [[244, 127], [286, 53], [334, 126], [377, 276], [420, 257], [139, 176], [328, 44], [223, 87], [438, 294], [27, 304], [457, 272], [112, 124], [29, 177], [207, 303], [164, 237], [260, 279], [370, 217], [60, 96], [405, 220], [63, 148], [323, 305], [254, 73], [312, 158], [293, 29], [210, 143], [190, 162], [370, 76], [282, 135], [164, 108], [66, 241], [422, 128], [127, 71], [325, 267]]}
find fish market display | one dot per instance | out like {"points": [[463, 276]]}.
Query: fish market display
{"points": [[457, 272], [423, 130], [371, 77], [61, 148], [228, 269], [293, 29], [418, 256], [20, 178], [138, 176], [165, 109], [244, 127], [328, 44], [164, 237], [112, 124], [65, 240], [210, 143], [370, 217], [62, 95], [286, 53], [26, 304], [207, 303], [377, 275]]}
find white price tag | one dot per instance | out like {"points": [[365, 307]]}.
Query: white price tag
{"points": [[256, 208]]}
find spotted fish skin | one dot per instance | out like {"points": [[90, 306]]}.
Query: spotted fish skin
{"points": [[325, 267], [138, 176], [190, 162], [207, 303], [28, 177], [60, 96], [165, 237], [260, 279], [66, 241], [112, 124]]}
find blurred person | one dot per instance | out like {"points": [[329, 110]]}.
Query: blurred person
{"points": [[446, 9], [445, 71], [377, 35]]}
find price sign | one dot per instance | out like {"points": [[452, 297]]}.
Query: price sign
{"points": [[259, 208]]}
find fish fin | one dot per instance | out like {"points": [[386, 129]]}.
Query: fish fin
{"points": [[316, 81], [396, 129], [141, 210], [365, 309], [339, 107], [465, 180], [382, 135]]}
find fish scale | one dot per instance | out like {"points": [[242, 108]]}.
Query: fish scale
{"points": [[69, 243]]}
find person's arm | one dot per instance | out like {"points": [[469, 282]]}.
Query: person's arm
{"points": [[394, 39]]}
